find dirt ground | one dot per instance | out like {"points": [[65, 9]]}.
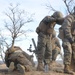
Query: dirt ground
{"points": [[56, 70]]}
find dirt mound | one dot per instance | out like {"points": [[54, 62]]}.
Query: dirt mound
{"points": [[56, 69]]}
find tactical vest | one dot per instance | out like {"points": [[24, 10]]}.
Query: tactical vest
{"points": [[46, 27]]}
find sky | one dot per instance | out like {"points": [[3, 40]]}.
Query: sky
{"points": [[38, 7]]}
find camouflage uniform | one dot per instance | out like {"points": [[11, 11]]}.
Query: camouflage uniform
{"points": [[44, 47], [72, 64], [67, 40], [55, 46], [16, 55]]}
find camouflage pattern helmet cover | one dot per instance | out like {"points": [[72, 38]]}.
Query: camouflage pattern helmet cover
{"points": [[57, 14]]}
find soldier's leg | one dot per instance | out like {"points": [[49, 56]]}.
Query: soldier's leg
{"points": [[67, 57], [54, 54], [48, 53], [73, 57], [11, 67], [21, 69], [40, 57], [40, 53], [21, 59], [73, 51], [29, 57]]}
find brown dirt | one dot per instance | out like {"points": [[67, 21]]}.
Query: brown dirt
{"points": [[55, 68]]}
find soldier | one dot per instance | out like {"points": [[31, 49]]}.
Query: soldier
{"points": [[56, 48], [44, 31], [15, 59], [73, 51], [67, 33]]}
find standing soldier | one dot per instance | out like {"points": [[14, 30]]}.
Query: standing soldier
{"points": [[73, 47], [44, 31], [67, 34], [56, 48]]}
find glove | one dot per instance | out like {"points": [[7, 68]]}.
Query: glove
{"points": [[59, 21], [71, 40]]}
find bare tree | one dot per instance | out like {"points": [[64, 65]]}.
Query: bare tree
{"points": [[50, 7], [69, 6], [15, 23], [2, 43], [16, 20]]}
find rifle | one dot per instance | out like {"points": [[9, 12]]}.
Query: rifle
{"points": [[34, 51]]}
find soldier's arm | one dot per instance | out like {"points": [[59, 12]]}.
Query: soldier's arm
{"points": [[57, 42], [59, 21], [48, 19], [67, 27]]}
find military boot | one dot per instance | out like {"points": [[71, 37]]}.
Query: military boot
{"points": [[21, 69], [11, 67], [40, 66], [67, 69], [47, 64]]}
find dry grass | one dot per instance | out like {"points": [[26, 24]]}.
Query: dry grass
{"points": [[54, 71]]}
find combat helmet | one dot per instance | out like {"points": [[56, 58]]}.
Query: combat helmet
{"points": [[57, 14]]}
